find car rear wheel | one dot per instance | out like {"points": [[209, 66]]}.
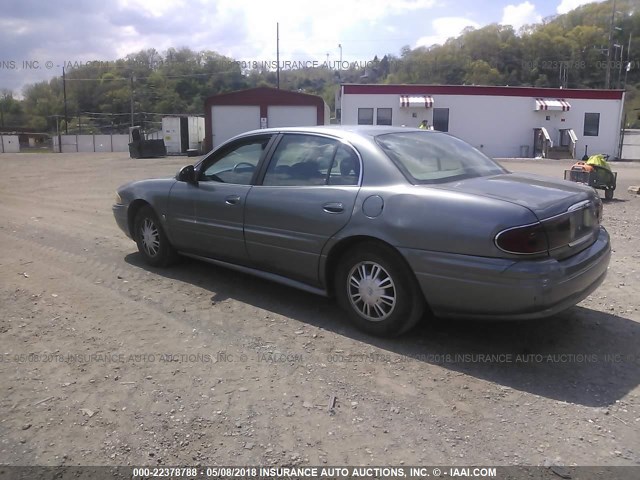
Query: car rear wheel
{"points": [[152, 242], [378, 290]]}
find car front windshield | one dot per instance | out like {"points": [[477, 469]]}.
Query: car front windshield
{"points": [[432, 157]]}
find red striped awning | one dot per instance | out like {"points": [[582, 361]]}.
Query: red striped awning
{"points": [[420, 101], [559, 104]]}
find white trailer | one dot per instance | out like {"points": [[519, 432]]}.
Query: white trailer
{"points": [[182, 133], [9, 144]]}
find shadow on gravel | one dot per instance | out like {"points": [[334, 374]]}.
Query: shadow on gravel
{"points": [[581, 356]]}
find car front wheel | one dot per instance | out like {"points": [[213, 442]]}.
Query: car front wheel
{"points": [[378, 290], [152, 242]]}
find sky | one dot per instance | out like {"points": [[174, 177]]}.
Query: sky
{"points": [[38, 38]]}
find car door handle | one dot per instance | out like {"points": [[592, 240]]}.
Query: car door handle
{"points": [[232, 200], [333, 207]]}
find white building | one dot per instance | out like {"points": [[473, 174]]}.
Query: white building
{"points": [[500, 121]]}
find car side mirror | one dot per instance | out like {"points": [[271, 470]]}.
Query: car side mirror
{"points": [[187, 174]]}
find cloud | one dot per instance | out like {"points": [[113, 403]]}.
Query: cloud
{"points": [[520, 15], [309, 31], [155, 8], [444, 28], [81, 31], [568, 5], [34, 36]]}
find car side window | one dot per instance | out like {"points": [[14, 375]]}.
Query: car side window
{"points": [[345, 169], [235, 163], [301, 160]]}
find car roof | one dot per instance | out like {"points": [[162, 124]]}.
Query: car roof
{"points": [[339, 130]]}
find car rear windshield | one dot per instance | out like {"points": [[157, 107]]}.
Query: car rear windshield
{"points": [[432, 157]]}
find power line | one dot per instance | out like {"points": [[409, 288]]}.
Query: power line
{"points": [[186, 75], [102, 113]]}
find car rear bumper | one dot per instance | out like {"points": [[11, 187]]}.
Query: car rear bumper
{"points": [[501, 289], [120, 214]]}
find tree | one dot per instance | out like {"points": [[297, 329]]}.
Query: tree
{"points": [[10, 109], [481, 73]]}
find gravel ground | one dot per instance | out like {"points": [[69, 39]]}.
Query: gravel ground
{"points": [[104, 361]]}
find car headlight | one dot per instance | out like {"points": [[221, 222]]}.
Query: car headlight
{"points": [[118, 199]]}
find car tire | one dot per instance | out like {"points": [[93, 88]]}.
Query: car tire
{"points": [[152, 242], [378, 290]]}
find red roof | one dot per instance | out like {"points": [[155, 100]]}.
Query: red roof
{"points": [[534, 92], [267, 95]]}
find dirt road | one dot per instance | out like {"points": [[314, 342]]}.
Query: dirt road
{"points": [[104, 361]]}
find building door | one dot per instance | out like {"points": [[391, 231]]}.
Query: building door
{"points": [[184, 134], [291, 116], [441, 119], [538, 142], [230, 120]]}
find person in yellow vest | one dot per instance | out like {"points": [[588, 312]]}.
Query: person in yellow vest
{"points": [[424, 125]]}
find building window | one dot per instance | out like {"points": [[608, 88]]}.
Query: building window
{"points": [[365, 116], [384, 116], [591, 124], [441, 119]]}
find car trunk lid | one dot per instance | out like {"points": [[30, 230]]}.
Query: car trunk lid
{"points": [[546, 197], [569, 212]]}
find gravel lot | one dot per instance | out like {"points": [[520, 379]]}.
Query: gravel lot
{"points": [[104, 361]]}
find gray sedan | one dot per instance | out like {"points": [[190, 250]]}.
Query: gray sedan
{"points": [[392, 221]]}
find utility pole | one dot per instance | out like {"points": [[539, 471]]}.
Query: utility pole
{"points": [[628, 67], [132, 80], [64, 96], [278, 56], [607, 81], [620, 66], [622, 130], [58, 132], [563, 75], [2, 102]]}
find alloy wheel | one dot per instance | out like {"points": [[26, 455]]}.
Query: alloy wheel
{"points": [[150, 237], [371, 291]]}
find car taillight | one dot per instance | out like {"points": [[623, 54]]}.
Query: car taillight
{"points": [[560, 231], [599, 209], [525, 240]]}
